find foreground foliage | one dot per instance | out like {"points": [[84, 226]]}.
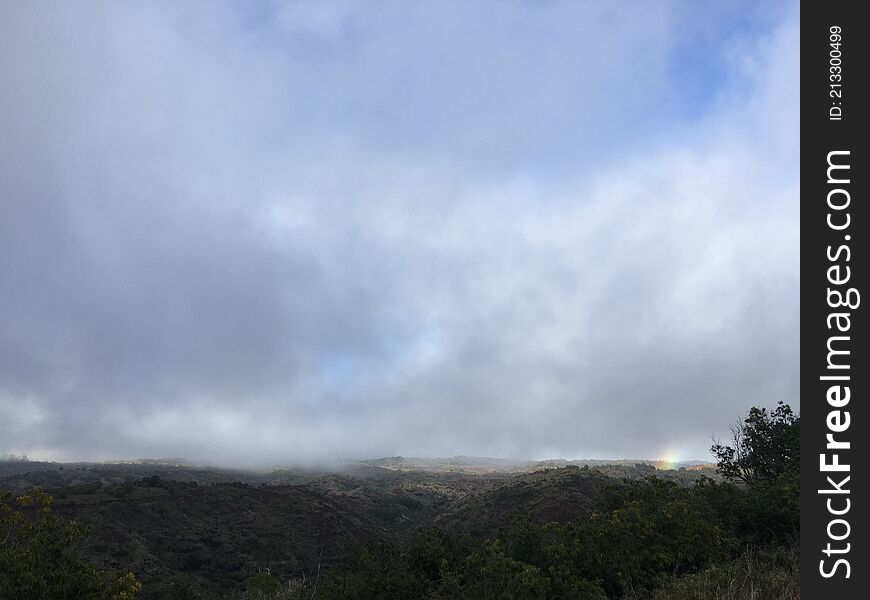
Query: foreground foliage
{"points": [[652, 539], [40, 558], [770, 574]]}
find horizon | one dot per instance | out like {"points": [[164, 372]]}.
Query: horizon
{"points": [[180, 461]]}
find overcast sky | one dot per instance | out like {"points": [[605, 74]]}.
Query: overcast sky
{"points": [[285, 231]]}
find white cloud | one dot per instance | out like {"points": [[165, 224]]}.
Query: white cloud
{"points": [[433, 230]]}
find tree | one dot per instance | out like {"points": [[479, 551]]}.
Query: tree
{"points": [[766, 446], [39, 555]]}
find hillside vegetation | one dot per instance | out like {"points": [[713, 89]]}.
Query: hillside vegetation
{"points": [[390, 530]]}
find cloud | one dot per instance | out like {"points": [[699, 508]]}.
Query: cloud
{"points": [[317, 229]]}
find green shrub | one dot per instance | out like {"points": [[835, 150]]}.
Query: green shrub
{"points": [[39, 556]]}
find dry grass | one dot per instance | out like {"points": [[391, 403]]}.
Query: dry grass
{"points": [[756, 575]]}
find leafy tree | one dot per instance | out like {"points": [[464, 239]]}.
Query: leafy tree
{"points": [[39, 556], [766, 446], [647, 528]]}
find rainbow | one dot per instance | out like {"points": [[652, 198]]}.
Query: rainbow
{"points": [[670, 460]]}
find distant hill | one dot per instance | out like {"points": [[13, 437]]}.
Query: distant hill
{"points": [[477, 464]]}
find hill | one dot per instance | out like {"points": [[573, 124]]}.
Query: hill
{"points": [[193, 531], [550, 495]]}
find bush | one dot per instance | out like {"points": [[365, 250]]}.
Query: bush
{"points": [[768, 574], [39, 556]]}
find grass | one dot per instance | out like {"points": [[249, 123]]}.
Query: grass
{"points": [[758, 574]]}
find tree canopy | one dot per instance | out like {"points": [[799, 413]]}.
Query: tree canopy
{"points": [[39, 555], [765, 447]]}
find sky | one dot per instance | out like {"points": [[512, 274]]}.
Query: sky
{"points": [[281, 232]]}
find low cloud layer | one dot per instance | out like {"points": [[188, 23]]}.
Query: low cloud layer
{"points": [[313, 230]]}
